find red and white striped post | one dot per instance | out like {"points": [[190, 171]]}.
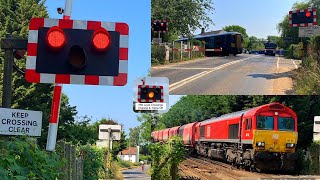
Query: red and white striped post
{"points": [[57, 92]]}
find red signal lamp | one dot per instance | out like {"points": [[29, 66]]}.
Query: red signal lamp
{"points": [[56, 37], [101, 39], [308, 14]]}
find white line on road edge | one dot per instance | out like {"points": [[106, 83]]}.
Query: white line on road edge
{"points": [[294, 63], [197, 76], [278, 62]]}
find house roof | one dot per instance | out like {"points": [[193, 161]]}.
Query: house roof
{"points": [[129, 151]]}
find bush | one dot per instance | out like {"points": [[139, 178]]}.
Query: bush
{"points": [[158, 54], [302, 164], [93, 162], [315, 152], [145, 157], [295, 52], [20, 159], [166, 158]]}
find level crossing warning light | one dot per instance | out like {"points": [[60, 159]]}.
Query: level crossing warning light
{"points": [[64, 51], [149, 94], [160, 26], [303, 17]]}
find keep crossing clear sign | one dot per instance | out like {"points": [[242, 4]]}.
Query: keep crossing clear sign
{"points": [[20, 122]]}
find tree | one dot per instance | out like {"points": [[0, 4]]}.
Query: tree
{"points": [[184, 16], [276, 39], [149, 123], [134, 136], [236, 28], [15, 17], [255, 44]]}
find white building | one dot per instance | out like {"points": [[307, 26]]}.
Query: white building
{"points": [[130, 154]]}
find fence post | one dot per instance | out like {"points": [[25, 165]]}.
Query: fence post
{"points": [[189, 50], [181, 50], [68, 157], [173, 51], [73, 161], [79, 174], [62, 153]]}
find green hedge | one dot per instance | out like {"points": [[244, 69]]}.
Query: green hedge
{"points": [[94, 165], [158, 54], [22, 159]]}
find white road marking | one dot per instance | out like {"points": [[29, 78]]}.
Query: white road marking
{"points": [[294, 63], [199, 75], [278, 62], [182, 63]]}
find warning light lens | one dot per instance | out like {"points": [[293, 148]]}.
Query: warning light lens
{"points": [[151, 95], [56, 37], [101, 39], [308, 14]]}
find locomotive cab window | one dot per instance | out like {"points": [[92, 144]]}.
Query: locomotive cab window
{"points": [[265, 122], [248, 124], [285, 124]]}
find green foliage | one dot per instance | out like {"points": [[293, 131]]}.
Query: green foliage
{"points": [[302, 165], [253, 43], [276, 39], [166, 158], [145, 157], [236, 28], [134, 136], [294, 52], [184, 16], [149, 122], [307, 77], [94, 165], [21, 159], [158, 54], [315, 152]]}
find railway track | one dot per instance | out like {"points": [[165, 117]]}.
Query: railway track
{"points": [[207, 169]]}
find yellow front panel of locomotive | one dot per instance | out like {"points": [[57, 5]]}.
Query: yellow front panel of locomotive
{"points": [[274, 141]]}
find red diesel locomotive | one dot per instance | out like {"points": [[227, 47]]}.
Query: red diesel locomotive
{"points": [[261, 138]]}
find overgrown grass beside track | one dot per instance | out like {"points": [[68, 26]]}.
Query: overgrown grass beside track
{"points": [[307, 77]]}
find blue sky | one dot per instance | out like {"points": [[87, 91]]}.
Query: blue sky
{"points": [[259, 17], [108, 101]]}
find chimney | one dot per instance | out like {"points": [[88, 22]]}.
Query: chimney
{"points": [[202, 31]]}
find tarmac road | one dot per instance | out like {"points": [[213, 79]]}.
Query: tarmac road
{"points": [[244, 74]]}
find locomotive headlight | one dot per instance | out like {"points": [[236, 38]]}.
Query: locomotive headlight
{"points": [[290, 145], [260, 144]]}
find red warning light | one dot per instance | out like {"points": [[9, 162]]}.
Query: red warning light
{"points": [[56, 37], [308, 14], [101, 39]]}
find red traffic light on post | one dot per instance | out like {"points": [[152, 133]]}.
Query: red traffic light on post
{"points": [[149, 94], [303, 18], [66, 51], [160, 26]]}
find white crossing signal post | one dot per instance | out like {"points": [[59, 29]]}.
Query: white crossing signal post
{"points": [[55, 108]]}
